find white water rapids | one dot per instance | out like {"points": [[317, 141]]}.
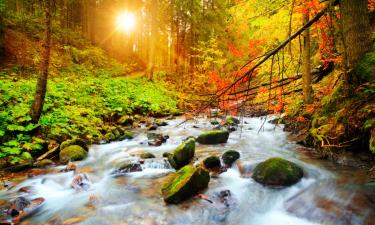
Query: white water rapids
{"points": [[136, 198]]}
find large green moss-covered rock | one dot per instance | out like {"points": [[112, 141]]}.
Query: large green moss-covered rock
{"points": [[72, 153], [75, 141], [277, 172], [183, 154], [229, 157], [213, 137], [212, 162], [185, 183]]}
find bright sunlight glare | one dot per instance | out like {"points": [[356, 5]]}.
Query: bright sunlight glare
{"points": [[126, 21]]}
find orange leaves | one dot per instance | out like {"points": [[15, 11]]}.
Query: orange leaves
{"points": [[301, 119], [235, 51], [371, 5]]}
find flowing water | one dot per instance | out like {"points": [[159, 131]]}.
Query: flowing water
{"points": [[328, 194]]}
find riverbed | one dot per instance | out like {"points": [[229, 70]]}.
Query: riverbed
{"points": [[328, 193]]}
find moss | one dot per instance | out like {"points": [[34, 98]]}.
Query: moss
{"points": [[277, 172], [229, 157], [72, 153], [109, 136], [183, 154], [127, 135], [372, 141], [213, 137], [212, 162], [126, 120], [166, 154], [231, 121], [185, 183], [147, 155], [44, 163], [75, 141], [365, 69]]}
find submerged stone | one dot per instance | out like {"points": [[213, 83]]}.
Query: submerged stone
{"points": [[72, 153], [229, 157], [213, 137], [277, 172], [185, 183]]}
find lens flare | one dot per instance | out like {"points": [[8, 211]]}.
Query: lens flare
{"points": [[126, 21]]}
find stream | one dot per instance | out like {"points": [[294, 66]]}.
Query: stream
{"points": [[328, 193]]}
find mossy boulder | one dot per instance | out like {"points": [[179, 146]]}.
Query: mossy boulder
{"points": [[229, 157], [146, 155], [166, 154], [185, 183], [126, 120], [212, 162], [183, 154], [44, 163], [72, 153], [75, 141], [277, 172], [127, 135], [109, 137], [213, 137], [232, 121]]}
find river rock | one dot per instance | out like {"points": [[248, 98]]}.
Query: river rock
{"points": [[44, 163], [185, 183], [155, 139], [214, 122], [232, 121], [147, 155], [212, 162], [229, 157], [80, 182], [127, 168], [277, 172], [72, 153], [183, 154], [213, 137], [154, 126], [166, 154], [161, 123], [75, 141]]}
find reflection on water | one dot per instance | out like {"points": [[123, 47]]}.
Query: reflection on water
{"points": [[326, 195]]}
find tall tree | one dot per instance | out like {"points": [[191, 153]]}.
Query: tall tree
{"points": [[356, 30], [37, 106], [153, 36], [306, 63]]}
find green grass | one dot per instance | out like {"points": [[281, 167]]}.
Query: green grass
{"points": [[79, 103]]}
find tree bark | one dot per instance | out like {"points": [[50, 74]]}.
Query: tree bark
{"points": [[306, 63], [151, 58], [356, 30], [41, 87]]}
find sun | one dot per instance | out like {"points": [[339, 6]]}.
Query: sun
{"points": [[126, 21]]}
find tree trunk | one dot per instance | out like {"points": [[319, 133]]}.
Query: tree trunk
{"points": [[356, 30], [2, 36], [37, 106], [151, 58], [306, 63]]}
